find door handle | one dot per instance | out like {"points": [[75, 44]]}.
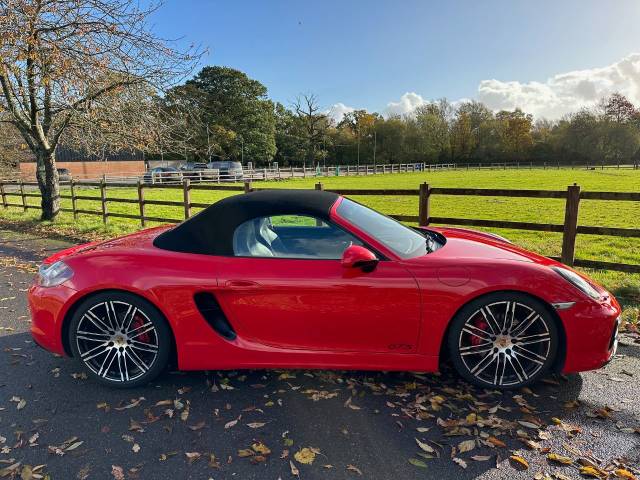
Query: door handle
{"points": [[241, 284]]}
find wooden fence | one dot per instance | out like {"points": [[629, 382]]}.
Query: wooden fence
{"points": [[569, 228]]}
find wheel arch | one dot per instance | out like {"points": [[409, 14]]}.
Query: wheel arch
{"points": [[74, 307], [558, 362]]}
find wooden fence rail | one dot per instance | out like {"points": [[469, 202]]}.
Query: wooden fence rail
{"points": [[569, 228]]}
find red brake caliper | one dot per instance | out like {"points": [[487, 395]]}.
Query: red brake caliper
{"points": [[482, 325], [137, 323]]}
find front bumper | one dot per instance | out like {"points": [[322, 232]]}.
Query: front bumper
{"points": [[591, 329], [48, 307]]}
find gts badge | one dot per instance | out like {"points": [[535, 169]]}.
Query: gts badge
{"points": [[400, 346]]}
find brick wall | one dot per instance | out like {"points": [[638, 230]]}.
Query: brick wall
{"points": [[82, 170]]}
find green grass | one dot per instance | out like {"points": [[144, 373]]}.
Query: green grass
{"points": [[600, 213]]}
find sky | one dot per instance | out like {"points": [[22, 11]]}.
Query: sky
{"points": [[389, 56]]}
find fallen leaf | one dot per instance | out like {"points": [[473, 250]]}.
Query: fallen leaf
{"points": [[261, 448], [353, 468], [134, 403], [117, 472], [590, 471], [528, 424], [417, 463], [521, 462], [460, 462], [496, 442], [481, 458], [192, 456], [294, 469], [423, 446], [232, 423], [466, 446], [626, 474], [306, 456], [73, 446], [554, 457]]}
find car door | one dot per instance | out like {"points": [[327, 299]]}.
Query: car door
{"points": [[290, 290]]}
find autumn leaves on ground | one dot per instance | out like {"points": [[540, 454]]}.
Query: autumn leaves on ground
{"points": [[57, 424]]}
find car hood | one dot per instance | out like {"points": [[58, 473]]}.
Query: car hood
{"points": [[471, 244], [138, 240]]}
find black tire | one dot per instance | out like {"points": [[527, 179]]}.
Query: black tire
{"points": [[503, 354], [141, 349]]}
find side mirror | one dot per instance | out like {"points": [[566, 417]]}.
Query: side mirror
{"points": [[356, 256]]}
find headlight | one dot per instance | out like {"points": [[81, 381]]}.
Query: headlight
{"points": [[54, 274], [577, 281]]}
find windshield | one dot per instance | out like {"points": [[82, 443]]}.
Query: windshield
{"points": [[400, 239]]}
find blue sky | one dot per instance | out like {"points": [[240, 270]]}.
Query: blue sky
{"points": [[366, 54]]}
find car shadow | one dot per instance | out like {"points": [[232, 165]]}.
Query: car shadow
{"points": [[366, 422]]}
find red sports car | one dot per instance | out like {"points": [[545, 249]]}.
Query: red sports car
{"points": [[310, 279]]}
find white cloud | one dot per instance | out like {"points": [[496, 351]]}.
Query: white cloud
{"points": [[338, 110], [407, 104], [565, 92]]}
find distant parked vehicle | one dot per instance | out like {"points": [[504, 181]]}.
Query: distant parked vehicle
{"points": [[162, 175], [193, 166], [228, 170], [64, 175], [196, 171]]}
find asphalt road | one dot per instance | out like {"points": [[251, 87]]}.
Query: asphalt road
{"points": [[266, 424]]}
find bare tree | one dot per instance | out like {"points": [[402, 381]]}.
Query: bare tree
{"points": [[314, 125], [59, 57]]}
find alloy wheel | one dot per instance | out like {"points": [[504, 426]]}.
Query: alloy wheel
{"points": [[505, 343], [117, 341]]}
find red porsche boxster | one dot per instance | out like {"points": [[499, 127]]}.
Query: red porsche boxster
{"points": [[310, 279]]}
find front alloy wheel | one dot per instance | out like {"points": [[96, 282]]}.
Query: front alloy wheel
{"points": [[503, 340], [121, 339]]}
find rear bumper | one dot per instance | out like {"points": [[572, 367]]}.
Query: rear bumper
{"points": [[591, 334], [48, 308]]}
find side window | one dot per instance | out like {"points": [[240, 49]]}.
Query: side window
{"points": [[291, 236]]}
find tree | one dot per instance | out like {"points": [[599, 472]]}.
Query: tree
{"points": [[234, 105], [516, 132], [361, 124], [619, 109], [290, 143], [59, 57], [462, 139], [314, 126], [432, 130]]}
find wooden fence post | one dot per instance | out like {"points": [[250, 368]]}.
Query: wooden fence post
{"points": [[570, 225], [103, 198], [4, 195], [24, 199], [72, 187], [423, 204], [141, 204], [186, 193], [247, 186]]}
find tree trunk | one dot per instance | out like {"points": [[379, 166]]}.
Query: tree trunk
{"points": [[47, 176]]}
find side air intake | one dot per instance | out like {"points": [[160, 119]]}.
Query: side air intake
{"points": [[210, 310]]}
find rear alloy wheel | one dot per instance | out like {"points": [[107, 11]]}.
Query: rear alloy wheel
{"points": [[121, 339], [503, 340]]}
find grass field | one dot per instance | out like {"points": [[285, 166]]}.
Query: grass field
{"points": [[600, 213]]}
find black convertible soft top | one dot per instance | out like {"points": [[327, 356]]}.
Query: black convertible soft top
{"points": [[210, 232]]}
